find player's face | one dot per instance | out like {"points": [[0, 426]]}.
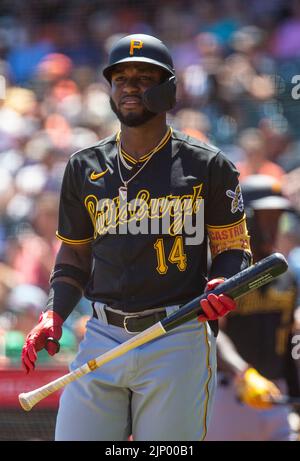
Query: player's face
{"points": [[129, 81]]}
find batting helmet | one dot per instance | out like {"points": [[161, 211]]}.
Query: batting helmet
{"points": [[145, 48], [262, 192]]}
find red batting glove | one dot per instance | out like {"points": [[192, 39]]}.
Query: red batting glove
{"points": [[215, 306], [49, 326]]}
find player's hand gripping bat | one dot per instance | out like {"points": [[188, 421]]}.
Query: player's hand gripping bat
{"points": [[248, 280]]}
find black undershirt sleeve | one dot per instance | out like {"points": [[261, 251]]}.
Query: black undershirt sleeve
{"points": [[229, 263], [63, 298]]}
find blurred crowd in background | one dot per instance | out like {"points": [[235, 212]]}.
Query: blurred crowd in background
{"points": [[238, 70]]}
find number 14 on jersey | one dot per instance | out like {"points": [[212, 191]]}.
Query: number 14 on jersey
{"points": [[176, 256]]}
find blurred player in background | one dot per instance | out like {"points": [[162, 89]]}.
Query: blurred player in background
{"points": [[254, 347]]}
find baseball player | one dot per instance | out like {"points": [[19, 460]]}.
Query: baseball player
{"points": [[254, 347], [136, 213]]}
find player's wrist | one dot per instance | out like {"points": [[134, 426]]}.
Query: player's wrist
{"points": [[241, 372], [250, 373], [246, 372], [51, 315]]}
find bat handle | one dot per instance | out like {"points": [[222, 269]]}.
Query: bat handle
{"points": [[29, 399]]}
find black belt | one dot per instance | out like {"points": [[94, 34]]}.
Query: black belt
{"points": [[132, 323]]}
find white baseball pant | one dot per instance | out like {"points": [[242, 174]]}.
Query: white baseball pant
{"points": [[161, 390]]}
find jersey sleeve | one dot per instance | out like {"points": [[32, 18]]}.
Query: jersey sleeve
{"points": [[225, 215], [74, 223]]}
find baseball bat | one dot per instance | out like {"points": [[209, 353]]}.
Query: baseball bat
{"points": [[244, 282]]}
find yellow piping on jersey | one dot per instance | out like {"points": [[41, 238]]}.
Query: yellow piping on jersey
{"points": [[207, 382], [144, 157], [74, 242]]}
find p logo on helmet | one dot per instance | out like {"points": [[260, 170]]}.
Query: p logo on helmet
{"points": [[135, 45]]}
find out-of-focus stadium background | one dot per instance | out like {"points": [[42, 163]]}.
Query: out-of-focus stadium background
{"points": [[238, 69]]}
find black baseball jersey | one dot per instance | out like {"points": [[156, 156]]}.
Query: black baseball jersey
{"points": [[144, 253], [261, 326]]}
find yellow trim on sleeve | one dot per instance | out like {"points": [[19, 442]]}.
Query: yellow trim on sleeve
{"points": [[230, 237], [74, 242]]}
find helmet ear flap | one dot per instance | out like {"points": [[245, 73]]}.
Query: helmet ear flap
{"points": [[161, 97]]}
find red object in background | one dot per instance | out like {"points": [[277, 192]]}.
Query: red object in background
{"points": [[14, 381]]}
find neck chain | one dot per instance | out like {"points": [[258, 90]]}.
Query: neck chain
{"points": [[123, 189]]}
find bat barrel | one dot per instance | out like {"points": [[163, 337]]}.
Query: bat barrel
{"points": [[255, 276], [244, 282]]}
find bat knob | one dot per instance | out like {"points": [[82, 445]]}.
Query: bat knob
{"points": [[24, 402]]}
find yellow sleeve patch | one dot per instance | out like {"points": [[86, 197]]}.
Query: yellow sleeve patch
{"points": [[232, 237]]}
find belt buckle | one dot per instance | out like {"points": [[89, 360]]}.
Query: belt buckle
{"points": [[125, 324]]}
